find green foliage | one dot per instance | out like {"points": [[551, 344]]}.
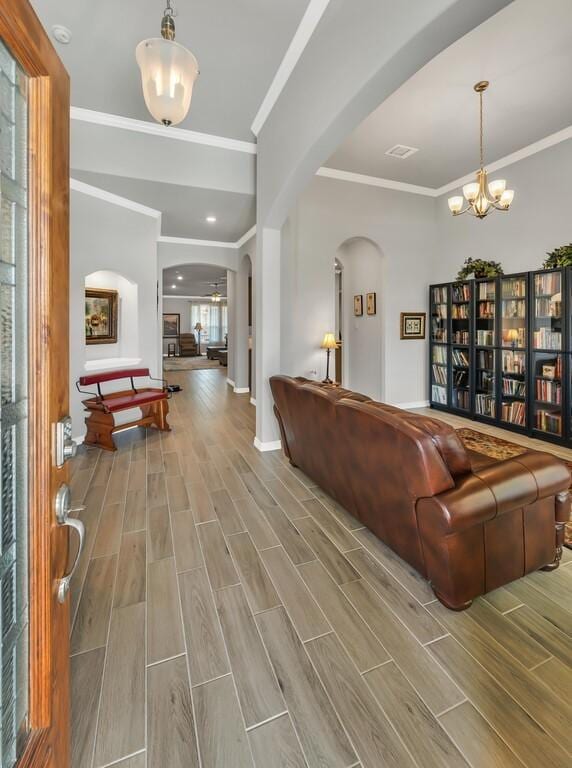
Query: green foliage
{"points": [[479, 268], [559, 257]]}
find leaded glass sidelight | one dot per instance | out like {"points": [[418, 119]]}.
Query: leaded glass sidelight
{"points": [[13, 409]]}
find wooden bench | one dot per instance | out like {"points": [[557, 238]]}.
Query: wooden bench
{"points": [[101, 407]]}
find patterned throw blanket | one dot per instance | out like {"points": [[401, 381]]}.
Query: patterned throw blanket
{"points": [[496, 448]]}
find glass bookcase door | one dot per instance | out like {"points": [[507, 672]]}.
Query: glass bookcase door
{"points": [[513, 312], [547, 376], [460, 393], [461, 314], [547, 320], [440, 314], [439, 374], [513, 387], [485, 379], [485, 313]]}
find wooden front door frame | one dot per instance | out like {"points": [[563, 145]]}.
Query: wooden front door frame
{"points": [[48, 264]]}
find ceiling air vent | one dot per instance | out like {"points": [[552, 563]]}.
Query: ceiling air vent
{"points": [[401, 151]]}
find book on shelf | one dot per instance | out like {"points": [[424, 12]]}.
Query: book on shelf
{"points": [[514, 288], [460, 311], [460, 358], [440, 294], [485, 359], [461, 377], [439, 394], [513, 387], [546, 338], [486, 310], [546, 307], [486, 381], [547, 284], [487, 291], [440, 355], [514, 362], [514, 412], [461, 292], [440, 311], [461, 399], [485, 338], [460, 337], [550, 368], [549, 391], [439, 375], [485, 405], [440, 334], [548, 421], [512, 308]]}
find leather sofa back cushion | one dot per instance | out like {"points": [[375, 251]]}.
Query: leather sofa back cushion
{"points": [[446, 441]]}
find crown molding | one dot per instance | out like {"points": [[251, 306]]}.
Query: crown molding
{"points": [[514, 157], [154, 129], [374, 181], [191, 298], [308, 24], [109, 197], [209, 243], [246, 237]]}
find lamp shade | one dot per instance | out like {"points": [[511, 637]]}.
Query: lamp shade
{"points": [[329, 341], [168, 73], [455, 204], [512, 334], [198, 327]]}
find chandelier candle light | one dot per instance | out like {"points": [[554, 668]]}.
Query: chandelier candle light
{"points": [[168, 73], [482, 196], [328, 343]]}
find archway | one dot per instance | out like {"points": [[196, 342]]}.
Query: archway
{"points": [[363, 367]]}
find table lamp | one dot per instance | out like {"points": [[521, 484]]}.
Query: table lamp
{"points": [[198, 329], [328, 343], [512, 337]]}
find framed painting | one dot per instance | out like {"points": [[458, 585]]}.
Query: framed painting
{"points": [[412, 325], [358, 305], [100, 316], [370, 303], [171, 325]]}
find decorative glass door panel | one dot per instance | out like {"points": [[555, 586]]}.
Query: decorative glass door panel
{"points": [[514, 394], [13, 408], [548, 311], [513, 312], [461, 314], [440, 314], [439, 374], [485, 317], [547, 371]]}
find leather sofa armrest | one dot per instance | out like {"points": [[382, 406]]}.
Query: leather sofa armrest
{"points": [[494, 490]]}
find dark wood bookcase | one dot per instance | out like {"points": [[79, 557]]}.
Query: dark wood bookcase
{"points": [[500, 351]]}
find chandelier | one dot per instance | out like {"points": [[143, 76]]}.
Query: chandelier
{"points": [[168, 73], [482, 196], [215, 295]]}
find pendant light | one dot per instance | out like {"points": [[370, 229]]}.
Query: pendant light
{"points": [[482, 196], [168, 73]]}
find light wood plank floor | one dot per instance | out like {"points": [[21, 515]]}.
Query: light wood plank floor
{"points": [[228, 614]]}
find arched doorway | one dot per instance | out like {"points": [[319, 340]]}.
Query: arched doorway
{"points": [[359, 273]]}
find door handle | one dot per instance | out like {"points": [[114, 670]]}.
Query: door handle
{"points": [[63, 511]]}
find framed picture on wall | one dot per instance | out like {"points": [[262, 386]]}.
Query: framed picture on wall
{"points": [[412, 325], [358, 305], [370, 303], [100, 316], [171, 325]]}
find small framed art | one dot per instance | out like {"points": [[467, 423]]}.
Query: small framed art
{"points": [[370, 303], [412, 325], [100, 316], [358, 305]]}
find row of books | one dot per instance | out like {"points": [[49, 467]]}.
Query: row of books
{"points": [[546, 338], [486, 381], [514, 288], [460, 311], [440, 310], [460, 337], [486, 310], [461, 399], [485, 405], [486, 338], [513, 387], [460, 358], [512, 308], [440, 295], [461, 292], [439, 375], [548, 421], [514, 362], [549, 391], [514, 412], [487, 291], [439, 394], [546, 307], [439, 334], [547, 284], [440, 355], [485, 359]]}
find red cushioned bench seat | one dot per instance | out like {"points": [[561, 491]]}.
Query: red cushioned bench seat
{"points": [[100, 423]]}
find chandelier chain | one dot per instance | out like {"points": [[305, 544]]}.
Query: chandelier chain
{"points": [[481, 129]]}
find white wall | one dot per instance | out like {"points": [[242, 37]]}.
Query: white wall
{"points": [[180, 307], [106, 237], [403, 226], [127, 345], [539, 219]]}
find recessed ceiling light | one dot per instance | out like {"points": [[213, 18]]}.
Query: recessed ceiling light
{"points": [[211, 219], [173, 286], [179, 277], [61, 34], [401, 151]]}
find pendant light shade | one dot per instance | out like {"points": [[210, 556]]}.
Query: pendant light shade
{"points": [[168, 74]]}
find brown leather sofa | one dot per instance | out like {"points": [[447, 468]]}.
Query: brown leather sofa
{"points": [[466, 528]]}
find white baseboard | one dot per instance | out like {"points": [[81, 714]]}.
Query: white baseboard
{"points": [[230, 383], [241, 390], [410, 406], [271, 445], [253, 401]]}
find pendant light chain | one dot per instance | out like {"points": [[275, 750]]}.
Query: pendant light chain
{"points": [[481, 131]]}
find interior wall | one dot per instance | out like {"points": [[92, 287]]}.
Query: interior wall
{"points": [[113, 239], [403, 226], [127, 345], [538, 220]]}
